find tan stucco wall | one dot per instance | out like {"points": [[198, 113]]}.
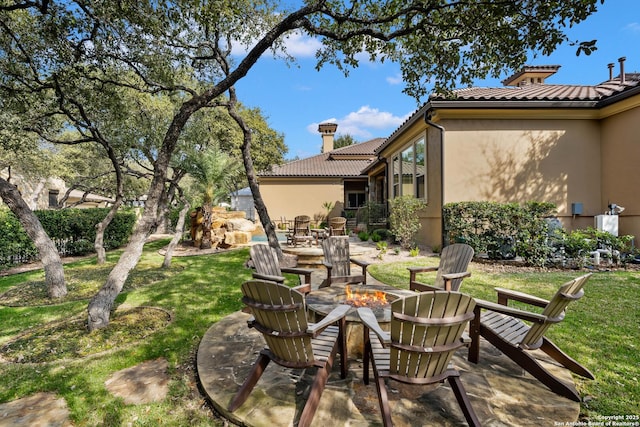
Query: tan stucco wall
{"points": [[291, 197], [621, 168], [555, 161], [560, 160]]}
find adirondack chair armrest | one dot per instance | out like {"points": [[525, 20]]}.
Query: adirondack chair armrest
{"points": [[504, 295], [450, 277], [360, 263], [270, 278], [306, 272], [328, 266], [303, 289], [415, 270], [369, 321], [510, 311], [334, 316]]}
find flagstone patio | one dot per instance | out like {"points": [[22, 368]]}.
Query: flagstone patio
{"points": [[501, 393]]}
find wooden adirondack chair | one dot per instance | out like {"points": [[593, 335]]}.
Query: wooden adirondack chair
{"points": [[279, 313], [454, 262], [338, 262], [503, 327], [267, 267], [338, 226], [301, 231], [426, 329]]}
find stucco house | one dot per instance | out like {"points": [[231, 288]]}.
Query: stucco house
{"points": [[577, 146], [48, 193], [304, 187], [573, 145]]}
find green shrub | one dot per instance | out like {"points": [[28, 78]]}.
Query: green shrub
{"points": [[502, 230], [404, 219], [363, 235], [383, 233], [382, 247], [375, 237], [72, 230], [414, 251]]}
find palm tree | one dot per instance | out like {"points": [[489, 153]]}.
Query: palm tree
{"points": [[213, 172]]}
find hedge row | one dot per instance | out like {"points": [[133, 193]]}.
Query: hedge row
{"points": [[501, 230], [72, 230]]}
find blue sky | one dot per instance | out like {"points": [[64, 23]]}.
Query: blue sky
{"points": [[370, 103]]}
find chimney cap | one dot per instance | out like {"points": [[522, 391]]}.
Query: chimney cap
{"points": [[529, 71], [327, 127]]}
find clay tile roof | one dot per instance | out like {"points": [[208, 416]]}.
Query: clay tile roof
{"points": [[549, 92], [532, 95], [347, 161]]}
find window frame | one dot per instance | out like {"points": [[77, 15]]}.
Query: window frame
{"points": [[409, 156]]}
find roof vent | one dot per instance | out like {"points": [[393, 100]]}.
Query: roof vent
{"points": [[610, 65], [621, 61]]}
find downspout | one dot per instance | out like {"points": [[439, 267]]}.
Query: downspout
{"points": [[427, 119]]}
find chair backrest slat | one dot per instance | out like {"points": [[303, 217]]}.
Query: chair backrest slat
{"points": [[570, 291], [302, 225], [454, 259], [439, 338], [336, 253], [265, 260], [290, 321]]}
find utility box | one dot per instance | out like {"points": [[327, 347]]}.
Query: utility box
{"points": [[608, 223], [576, 208]]}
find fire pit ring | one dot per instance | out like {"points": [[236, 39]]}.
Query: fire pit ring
{"points": [[321, 301]]}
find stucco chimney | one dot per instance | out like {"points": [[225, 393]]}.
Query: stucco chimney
{"points": [[610, 65], [621, 61], [327, 130]]}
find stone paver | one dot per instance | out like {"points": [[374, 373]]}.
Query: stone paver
{"points": [[144, 383], [37, 410]]}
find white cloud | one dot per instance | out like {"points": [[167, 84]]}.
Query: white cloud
{"points": [[300, 45], [365, 123], [296, 45], [395, 80], [633, 27]]}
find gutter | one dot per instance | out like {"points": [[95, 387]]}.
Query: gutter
{"points": [[428, 114]]}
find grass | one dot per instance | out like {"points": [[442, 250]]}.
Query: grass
{"points": [[601, 331], [197, 291]]}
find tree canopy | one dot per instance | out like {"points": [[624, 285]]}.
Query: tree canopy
{"points": [[69, 63]]}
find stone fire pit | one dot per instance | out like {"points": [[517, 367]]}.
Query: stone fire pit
{"points": [[320, 302]]}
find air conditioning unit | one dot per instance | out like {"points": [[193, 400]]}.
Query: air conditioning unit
{"points": [[608, 223]]}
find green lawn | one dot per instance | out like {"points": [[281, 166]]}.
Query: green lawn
{"points": [[601, 330], [198, 291]]}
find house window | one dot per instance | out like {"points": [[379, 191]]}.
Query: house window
{"points": [[356, 199], [53, 198], [408, 170]]}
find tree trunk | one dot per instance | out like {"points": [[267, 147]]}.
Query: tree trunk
{"points": [[177, 235], [206, 226], [53, 270], [101, 227], [261, 208], [101, 304]]}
